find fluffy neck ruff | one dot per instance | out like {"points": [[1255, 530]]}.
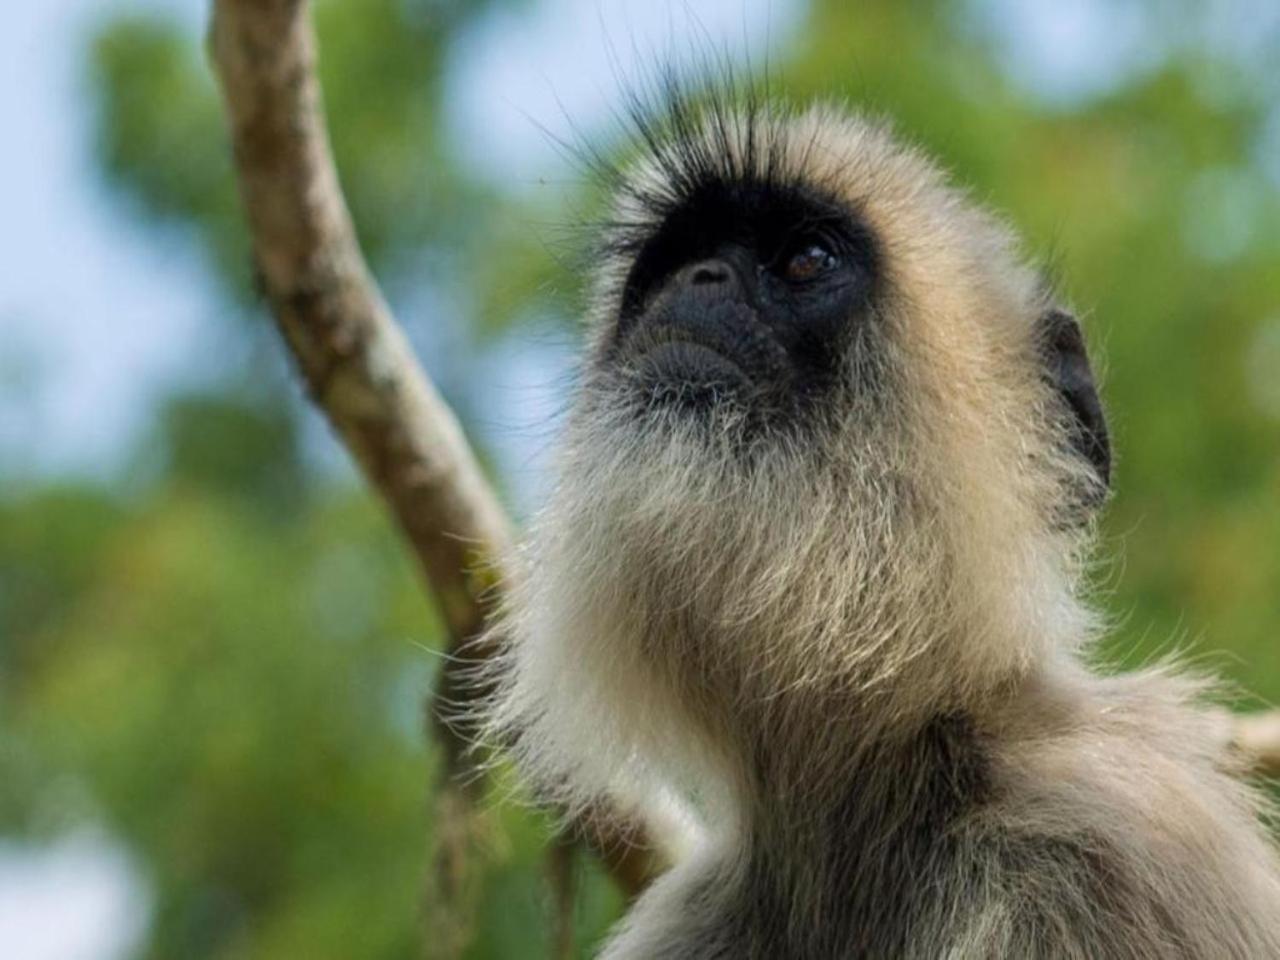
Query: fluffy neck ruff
{"points": [[727, 624]]}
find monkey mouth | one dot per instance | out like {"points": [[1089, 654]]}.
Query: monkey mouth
{"points": [[700, 357]]}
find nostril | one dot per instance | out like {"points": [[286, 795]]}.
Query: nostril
{"points": [[709, 272]]}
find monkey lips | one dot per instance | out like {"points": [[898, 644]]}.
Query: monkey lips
{"points": [[698, 350]]}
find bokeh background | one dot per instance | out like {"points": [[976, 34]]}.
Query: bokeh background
{"points": [[213, 650]]}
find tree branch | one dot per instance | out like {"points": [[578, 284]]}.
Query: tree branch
{"points": [[360, 371], [356, 362]]}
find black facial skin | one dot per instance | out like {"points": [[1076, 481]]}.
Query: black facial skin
{"points": [[746, 295]]}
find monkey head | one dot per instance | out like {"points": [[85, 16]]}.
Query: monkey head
{"points": [[770, 274]]}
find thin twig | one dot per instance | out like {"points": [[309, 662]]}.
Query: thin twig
{"points": [[562, 880]]}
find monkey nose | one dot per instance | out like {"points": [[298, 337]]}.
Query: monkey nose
{"points": [[715, 276]]}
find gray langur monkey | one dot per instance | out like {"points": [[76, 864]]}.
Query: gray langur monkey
{"points": [[812, 574]]}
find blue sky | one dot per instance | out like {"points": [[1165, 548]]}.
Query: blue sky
{"points": [[90, 311]]}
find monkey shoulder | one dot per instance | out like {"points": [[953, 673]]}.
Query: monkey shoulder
{"points": [[1110, 827], [1121, 831], [688, 914]]}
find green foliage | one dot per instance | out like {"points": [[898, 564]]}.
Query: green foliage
{"points": [[235, 449], [243, 700], [222, 661]]}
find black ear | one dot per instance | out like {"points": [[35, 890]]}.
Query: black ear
{"points": [[1067, 368]]}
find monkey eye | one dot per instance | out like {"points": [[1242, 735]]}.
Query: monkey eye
{"points": [[809, 262]]}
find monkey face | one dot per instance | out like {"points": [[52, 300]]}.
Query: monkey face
{"points": [[745, 296], [802, 291]]}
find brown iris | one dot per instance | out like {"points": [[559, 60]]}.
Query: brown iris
{"points": [[809, 262]]}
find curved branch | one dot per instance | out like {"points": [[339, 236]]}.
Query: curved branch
{"points": [[358, 366], [355, 360]]}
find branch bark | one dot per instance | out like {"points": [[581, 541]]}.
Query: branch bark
{"points": [[360, 371]]}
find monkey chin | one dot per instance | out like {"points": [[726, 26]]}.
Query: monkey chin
{"points": [[688, 375]]}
